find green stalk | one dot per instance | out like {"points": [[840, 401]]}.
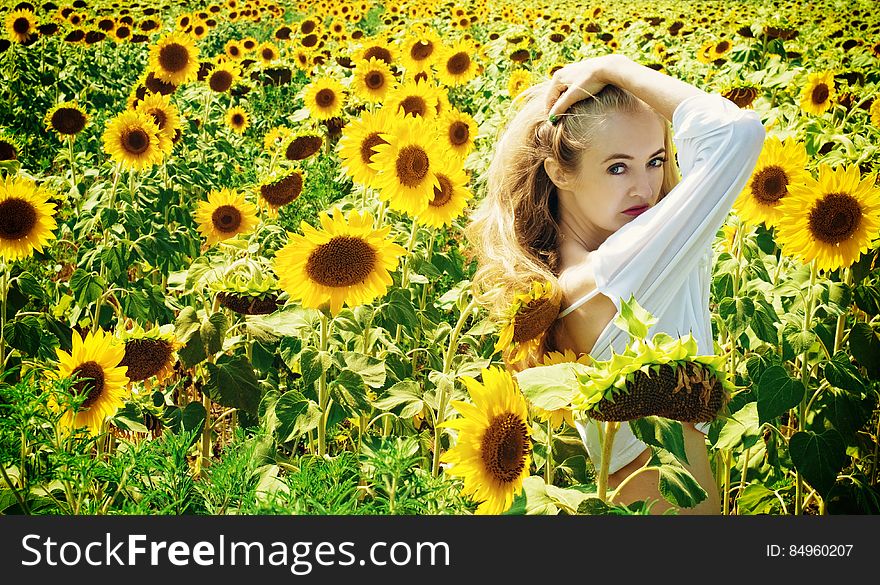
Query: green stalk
{"points": [[5, 278], [805, 379], [548, 464], [841, 320], [322, 388], [70, 140], [404, 276], [728, 464], [610, 429], [447, 364]]}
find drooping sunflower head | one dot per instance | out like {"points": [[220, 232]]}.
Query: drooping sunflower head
{"points": [[780, 165], [373, 80], [819, 93], [99, 382], [524, 327], [742, 94], [225, 215], [406, 166], [248, 288], [451, 198], [164, 113], [9, 147], [357, 142], [67, 119], [223, 76], [493, 448], [456, 65], [175, 58], [458, 131], [27, 219], [133, 140], [21, 25], [277, 191], [302, 144], [149, 353], [348, 262], [833, 220], [324, 97], [238, 119]]}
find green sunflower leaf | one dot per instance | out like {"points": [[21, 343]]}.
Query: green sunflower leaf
{"points": [[232, 382], [661, 432], [633, 319], [840, 373], [777, 392], [370, 369], [818, 457], [550, 387], [677, 485], [757, 499], [740, 428]]}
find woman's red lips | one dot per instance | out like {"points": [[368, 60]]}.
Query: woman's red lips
{"points": [[636, 210]]}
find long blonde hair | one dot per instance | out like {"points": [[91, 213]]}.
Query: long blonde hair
{"points": [[514, 231]]}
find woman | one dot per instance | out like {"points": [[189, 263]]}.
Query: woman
{"points": [[583, 192]]}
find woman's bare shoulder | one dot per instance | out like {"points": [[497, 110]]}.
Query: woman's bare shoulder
{"points": [[576, 280]]}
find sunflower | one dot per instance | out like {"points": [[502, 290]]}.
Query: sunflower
{"points": [[276, 192], [780, 166], [357, 142], [26, 218], [94, 364], [405, 166], [275, 137], [234, 50], [830, 221], [875, 113], [373, 80], [420, 50], [67, 119], [375, 47], [742, 94], [302, 144], [817, 95], [9, 147], [133, 140], [706, 52], [721, 48], [563, 414], [237, 119], [302, 58], [222, 76], [175, 58], [164, 114], [324, 97], [519, 80], [416, 98], [149, 353], [225, 215], [249, 44], [493, 449], [451, 198], [21, 25], [268, 52], [121, 33], [348, 262], [459, 130], [456, 65], [523, 327]]}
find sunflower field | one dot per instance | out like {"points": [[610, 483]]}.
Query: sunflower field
{"points": [[233, 276]]}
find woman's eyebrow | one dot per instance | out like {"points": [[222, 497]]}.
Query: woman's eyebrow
{"points": [[613, 156]]}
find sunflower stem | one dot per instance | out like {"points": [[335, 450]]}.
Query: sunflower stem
{"points": [[70, 140], [742, 477], [841, 320], [805, 379], [404, 277], [725, 496], [4, 289], [548, 464], [322, 388], [609, 430], [207, 110]]}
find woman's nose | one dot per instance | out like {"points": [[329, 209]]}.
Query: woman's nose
{"points": [[642, 186]]}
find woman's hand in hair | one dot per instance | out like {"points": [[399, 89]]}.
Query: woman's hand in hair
{"points": [[577, 81]]}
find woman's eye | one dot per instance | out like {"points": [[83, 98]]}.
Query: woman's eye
{"points": [[612, 168], [659, 160]]}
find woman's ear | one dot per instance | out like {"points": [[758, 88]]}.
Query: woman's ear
{"points": [[554, 172]]}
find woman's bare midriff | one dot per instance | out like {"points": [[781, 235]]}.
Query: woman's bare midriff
{"points": [[578, 331]]}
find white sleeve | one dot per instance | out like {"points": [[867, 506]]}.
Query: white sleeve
{"points": [[718, 145]]}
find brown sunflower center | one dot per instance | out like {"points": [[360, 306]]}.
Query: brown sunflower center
{"points": [[421, 50], [302, 147], [534, 319], [145, 357], [7, 151], [21, 25], [459, 133], [136, 141], [374, 80], [307, 26], [159, 116], [458, 63], [380, 53], [122, 32], [173, 57], [373, 139], [268, 54], [504, 447], [444, 193], [412, 166], [309, 40], [343, 261], [722, 46], [325, 98], [415, 105], [520, 56], [226, 219], [68, 120], [835, 218], [770, 184], [156, 85], [220, 81], [17, 218], [820, 94], [283, 191], [93, 386], [237, 120]]}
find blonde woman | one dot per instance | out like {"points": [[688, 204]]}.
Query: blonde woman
{"points": [[584, 192]]}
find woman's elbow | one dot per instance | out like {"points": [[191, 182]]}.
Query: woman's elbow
{"points": [[751, 132]]}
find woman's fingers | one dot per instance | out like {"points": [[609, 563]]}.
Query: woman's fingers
{"points": [[570, 85]]}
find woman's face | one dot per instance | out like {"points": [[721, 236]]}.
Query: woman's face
{"points": [[623, 169]]}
